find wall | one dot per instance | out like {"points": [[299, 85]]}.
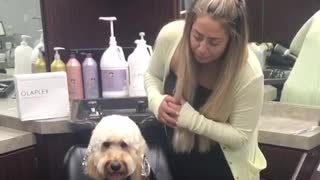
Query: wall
{"points": [[278, 21], [74, 24]]}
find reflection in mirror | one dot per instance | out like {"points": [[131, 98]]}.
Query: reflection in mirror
{"points": [[18, 18], [184, 4]]}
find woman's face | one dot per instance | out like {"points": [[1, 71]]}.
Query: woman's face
{"points": [[208, 39]]}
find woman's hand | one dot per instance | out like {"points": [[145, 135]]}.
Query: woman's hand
{"points": [[169, 110]]}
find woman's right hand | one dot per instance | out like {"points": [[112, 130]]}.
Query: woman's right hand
{"points": [[169, 111]]}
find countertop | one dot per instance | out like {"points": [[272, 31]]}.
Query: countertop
{"points": [[290, 125], [12, 139], [9, 117], [15, 134]]}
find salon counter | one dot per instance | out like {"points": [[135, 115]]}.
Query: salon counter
{"points": [[12, 139], [49, 139], [281, 125], [9, 117]]}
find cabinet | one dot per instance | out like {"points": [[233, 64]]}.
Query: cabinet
{"points": [[19, 164], [287, 163], [51, 149]]}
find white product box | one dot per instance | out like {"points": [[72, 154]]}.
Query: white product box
{"points": [[42, 96]]}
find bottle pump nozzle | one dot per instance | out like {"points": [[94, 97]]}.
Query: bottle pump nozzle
{"points": [[89, 55], [40, 55], [24, 39], [112, 40], [72, 55], [41, 34], [142, 34], [41, 39], [142, 43], [57, 55]]}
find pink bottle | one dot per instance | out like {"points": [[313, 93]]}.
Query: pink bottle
{"points": [[74, 75]]}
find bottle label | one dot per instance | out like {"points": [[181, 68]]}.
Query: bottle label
{"points": [[75, 85], [137, 80], [91, 86], [114, 80]]}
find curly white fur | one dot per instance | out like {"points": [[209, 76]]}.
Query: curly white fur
{"points": [[115, 139]]}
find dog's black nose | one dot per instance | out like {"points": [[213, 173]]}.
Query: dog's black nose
{"points": [[115, 166]]}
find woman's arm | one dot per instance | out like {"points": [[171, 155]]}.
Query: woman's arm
{"points": [[155, 75], [242, 121]]}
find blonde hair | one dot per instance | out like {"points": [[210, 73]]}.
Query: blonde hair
{"points": [[232, 15]]}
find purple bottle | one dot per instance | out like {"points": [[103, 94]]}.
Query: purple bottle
{"points": [[90, 77]]}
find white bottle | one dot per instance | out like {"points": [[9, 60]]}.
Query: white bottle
{"points": [[114, 68], [22, 56], [138, 62], [36, 51], [90, 77]]}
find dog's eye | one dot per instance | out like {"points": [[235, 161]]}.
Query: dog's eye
{"points": [[123, 144], [106, 144]]}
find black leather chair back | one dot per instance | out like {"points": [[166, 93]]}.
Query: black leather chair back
{"points": [[152, 132], [73, 169]]}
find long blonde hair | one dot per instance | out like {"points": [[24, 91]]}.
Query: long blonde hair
{"points": [[232, 15]]}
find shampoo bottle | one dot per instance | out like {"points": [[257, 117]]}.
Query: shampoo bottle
{"points": [[38, 49], [9, 54], [90, 77], [57, 64], [22, 56], [138, 62], [74, 77], [114, 68], [40, 64]]}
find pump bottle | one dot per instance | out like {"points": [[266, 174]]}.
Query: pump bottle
{"points": [[74, 77], [57, 64], [22, 56], [90, 77], [114, 68], [138, 62], [39, 48], [40, 64]]}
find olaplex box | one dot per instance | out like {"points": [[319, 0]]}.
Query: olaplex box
{"points": [[42, 96]]}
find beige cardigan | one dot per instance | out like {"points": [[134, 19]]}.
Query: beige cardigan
{"points": [[238, 137]]}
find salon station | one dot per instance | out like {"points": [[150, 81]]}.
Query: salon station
{"points": [[52, 92]]}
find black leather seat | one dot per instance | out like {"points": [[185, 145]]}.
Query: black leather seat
{"points": [[153, 134], [73, 169]]}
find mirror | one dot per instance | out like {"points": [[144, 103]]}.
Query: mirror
{"points": [[17, 17], [184, 5]]}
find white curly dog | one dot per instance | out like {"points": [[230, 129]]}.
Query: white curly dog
{"points": [[116, 150]]}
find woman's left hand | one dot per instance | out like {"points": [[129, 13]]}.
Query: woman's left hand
{"points": [[177, 107]]}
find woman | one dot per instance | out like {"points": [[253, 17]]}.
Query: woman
{"points": [[205, 85]]}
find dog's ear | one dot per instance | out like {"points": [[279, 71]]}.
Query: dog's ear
{"points": [[142, 147], [90, 169]]}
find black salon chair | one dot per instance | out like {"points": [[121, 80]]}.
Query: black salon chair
{"points": [[153, 133], [73, 169]]}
